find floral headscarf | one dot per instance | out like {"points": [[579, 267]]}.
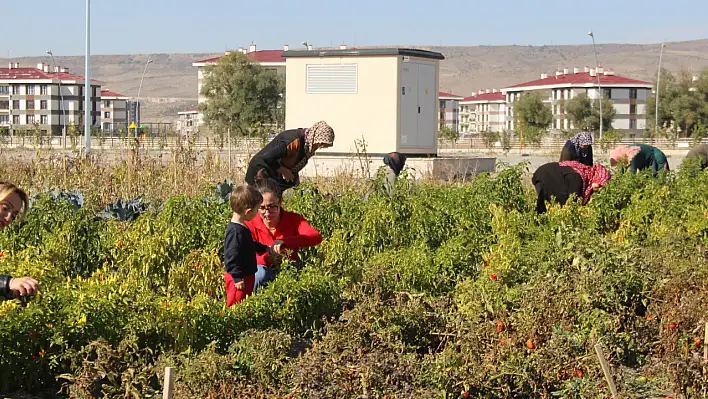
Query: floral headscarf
{"points": [[624, 154], [596, 174], [582, 138], [319, 133]]}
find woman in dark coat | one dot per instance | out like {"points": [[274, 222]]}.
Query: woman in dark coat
{"points": [[558, 180], [637, 157], [286, 155], [578, 148], [699, 152]]}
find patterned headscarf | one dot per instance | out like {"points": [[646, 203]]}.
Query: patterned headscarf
{"points": [[624, 154], [582, 138], [596, 174], [396, 161], [319, 133]]}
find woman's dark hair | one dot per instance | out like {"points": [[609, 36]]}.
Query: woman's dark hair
{"points": [[269, 186]]}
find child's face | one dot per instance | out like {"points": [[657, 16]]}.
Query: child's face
{"points": [[251, 213]]}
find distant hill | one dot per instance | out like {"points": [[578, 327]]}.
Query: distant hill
{"points": [[171, 81]]}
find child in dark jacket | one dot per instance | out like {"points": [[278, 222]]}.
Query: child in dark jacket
{"points": [[239, 247]]}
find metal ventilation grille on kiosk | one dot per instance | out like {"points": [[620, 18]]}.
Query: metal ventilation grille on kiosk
{"points": [[332, 79]]}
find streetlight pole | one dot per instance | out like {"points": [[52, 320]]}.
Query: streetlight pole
{"points": [[62, 118], [658, 80], [599, 88], [137, 103], [88, 108]]}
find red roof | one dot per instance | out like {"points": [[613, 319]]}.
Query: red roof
{"points": [[442, 94], [34, 74], [498, 96], [257, 56], [581, 78], [108, 93]]}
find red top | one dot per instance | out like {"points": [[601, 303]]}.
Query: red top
{"points": [[293, 229]]}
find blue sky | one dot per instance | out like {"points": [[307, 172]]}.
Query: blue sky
{"points": [[186, 26]]}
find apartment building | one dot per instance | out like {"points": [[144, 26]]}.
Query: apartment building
{"points": [[187, 122], [44, 97], [484, 111], [449, 111], [628, 95], [114, 111], [269, 59]]}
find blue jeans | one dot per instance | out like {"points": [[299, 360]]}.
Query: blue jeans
{"points": [[264, 275]]}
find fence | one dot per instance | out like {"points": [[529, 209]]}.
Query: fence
{"points": [[553, 144]]}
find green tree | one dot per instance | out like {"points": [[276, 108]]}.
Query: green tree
{"points": [[532, 117], [490, 138], [585, 113], [240, 94], [683, 103], [447, 133]]}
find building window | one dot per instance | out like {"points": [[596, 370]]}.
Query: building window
{"points": [[107, 103], [632, 94], [15, 89], [632, 123], [632, 109], [43, 132], [30, 90], [607, 93], [30, 104], [15, 104], [15, 119], [328, 79], [4, 105], [30, 119], [43, 90], [4, 119], [43, 104], [44, 119], [106, 114], [4, 90]]}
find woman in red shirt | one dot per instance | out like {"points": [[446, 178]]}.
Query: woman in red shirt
{"points": [[275, 226]]}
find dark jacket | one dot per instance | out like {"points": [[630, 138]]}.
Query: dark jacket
{"points": [[286, 149], [569, 153], [701, 152], [5, 286], [553, 181]]}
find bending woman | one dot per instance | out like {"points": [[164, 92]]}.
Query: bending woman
{"points": [[578, 148], [395, 162], [275, 226], [699, 152], [286, 155], [639, 157], [14, 205], [559, 180]]}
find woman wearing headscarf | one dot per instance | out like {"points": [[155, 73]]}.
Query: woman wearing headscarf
{"points": [[395, 162], [13, 207], [699, 152], [286, 155], [639, 157], [559, 180], [578, 148]]}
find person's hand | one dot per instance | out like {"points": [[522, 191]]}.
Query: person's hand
{"points": [[287, 174], [240, 284], [278, 246], [595, 186], [24, 286]]}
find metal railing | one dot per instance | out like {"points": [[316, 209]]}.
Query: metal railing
{"points": [[557, 144]]}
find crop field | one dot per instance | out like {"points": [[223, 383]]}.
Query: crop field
{"points": [[442, 290]]}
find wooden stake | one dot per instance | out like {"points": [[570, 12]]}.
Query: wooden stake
{"points": [[705, 342], [606, 370], [168, 382]]}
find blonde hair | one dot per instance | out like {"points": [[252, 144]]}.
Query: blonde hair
{"points": [[7, 189]]}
